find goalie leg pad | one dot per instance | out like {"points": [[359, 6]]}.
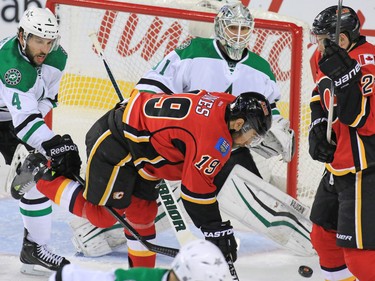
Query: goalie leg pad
{"points": [[264, 208], [93, 241]]}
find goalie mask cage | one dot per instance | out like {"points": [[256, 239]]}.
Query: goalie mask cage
{"points": [[135, 37]]}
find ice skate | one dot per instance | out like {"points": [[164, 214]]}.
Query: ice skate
{"points": [[37, 258], [31, 171]]}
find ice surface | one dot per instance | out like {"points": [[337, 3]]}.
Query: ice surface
{"points": [[259, 258]]}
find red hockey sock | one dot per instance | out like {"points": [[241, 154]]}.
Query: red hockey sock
{"points": [[69, 195], [141, 215], [324, 242]]}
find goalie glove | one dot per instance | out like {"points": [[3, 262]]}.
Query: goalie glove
{"points": [[221, 234], [339, 66], [279, 140], [319, 147]]}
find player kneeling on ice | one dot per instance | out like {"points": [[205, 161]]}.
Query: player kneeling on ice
{"points": [[197, 260], [150, 137]]}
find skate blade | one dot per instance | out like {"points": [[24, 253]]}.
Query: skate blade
{"points": [[35, 270]]}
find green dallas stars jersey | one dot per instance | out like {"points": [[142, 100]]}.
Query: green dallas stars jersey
{"points": [[199, 64], [141, 274], [27, 92]]}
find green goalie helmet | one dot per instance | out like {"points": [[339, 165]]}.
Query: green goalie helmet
{"points": [[40, 22], [231, 19]]}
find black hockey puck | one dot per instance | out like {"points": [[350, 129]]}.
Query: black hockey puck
{"points": [[305, 271]]}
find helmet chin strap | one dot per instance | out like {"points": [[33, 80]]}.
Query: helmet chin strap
{"points": [[24, 37]]}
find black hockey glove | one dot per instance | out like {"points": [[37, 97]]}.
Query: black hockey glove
{"points": [[319, 148], [339, 66], [64, 155], [221, 234]]}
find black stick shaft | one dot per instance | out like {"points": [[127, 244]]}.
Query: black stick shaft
{"points": [[171, 252]]}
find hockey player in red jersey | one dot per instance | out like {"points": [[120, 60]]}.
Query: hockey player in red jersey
{"points": [[343, 233], [185, 137]]}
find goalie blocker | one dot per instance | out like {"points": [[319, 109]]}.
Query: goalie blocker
{"points": [[264, 208]]}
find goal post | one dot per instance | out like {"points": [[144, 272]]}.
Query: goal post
{"points": [[135, 37]]}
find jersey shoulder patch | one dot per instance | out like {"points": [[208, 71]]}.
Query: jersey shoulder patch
{"points": [[184, 45], [15, 71]]}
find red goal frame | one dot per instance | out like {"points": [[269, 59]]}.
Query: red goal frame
{"points": [[296, 49]]}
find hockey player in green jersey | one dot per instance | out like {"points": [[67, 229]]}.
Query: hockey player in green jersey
{"points": [[197, 260], [31, 69], [225, 64]]}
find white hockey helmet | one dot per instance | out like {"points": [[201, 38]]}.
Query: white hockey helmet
{"points": [[40, 22], [235, 14], [200, 260]]}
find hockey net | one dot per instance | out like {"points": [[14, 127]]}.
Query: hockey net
{"points": [[135, 37]]}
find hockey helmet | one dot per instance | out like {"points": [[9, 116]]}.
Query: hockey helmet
{"points": [[234, 15], [255, 109], [40, 22], [200, 260], [325, 23]]}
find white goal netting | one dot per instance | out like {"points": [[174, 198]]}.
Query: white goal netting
{"points": [[135, 37]]}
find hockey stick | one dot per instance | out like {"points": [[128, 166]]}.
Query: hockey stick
{"points": [[179, 223], [174, 213], [183, 234], [331, 103], [100, 51], [171, 252]]}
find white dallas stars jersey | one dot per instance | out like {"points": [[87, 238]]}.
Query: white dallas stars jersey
{"points": [[199, 64], [27, 92]]}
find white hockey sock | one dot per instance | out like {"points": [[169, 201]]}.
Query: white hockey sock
{"points": [[36, 212]]}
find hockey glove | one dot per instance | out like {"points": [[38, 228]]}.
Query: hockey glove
{"points": [[221, 234], [319, 148], [64, 155], [339, 66]]}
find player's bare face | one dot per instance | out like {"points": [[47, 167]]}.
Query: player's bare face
{"points": [[319, 40], [243, 139], [37, 49]]}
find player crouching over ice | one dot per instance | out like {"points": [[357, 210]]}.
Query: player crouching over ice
{"points": [[185, 137], [197, 260]]}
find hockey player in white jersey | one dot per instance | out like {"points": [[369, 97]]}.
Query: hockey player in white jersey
{"points": [[225, 64], [197, 260], [31, 69]]}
